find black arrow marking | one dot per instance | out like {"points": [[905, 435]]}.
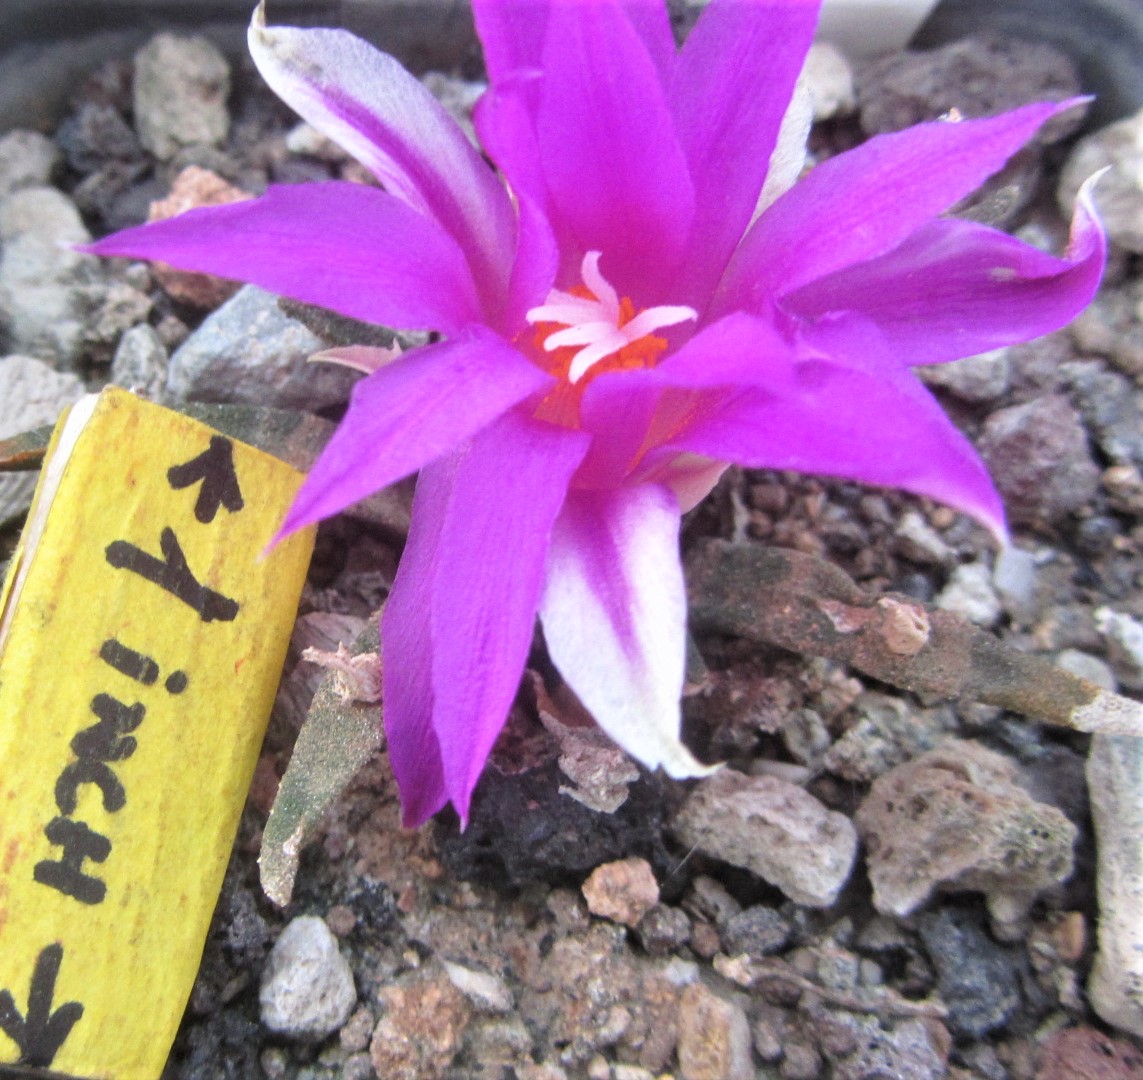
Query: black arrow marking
{"points": [[42, 1032], [215, 468]]}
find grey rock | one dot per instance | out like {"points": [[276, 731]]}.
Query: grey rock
{"points": [[96, 134], [1111, 326], [44, 211], [663, 930], [774, 829], [919, 542], [47, 289], [757, 930], [1124, 637], [248, 352], [1089, 667], [976, 977], [27, 159], [31, 395], [910, 1050], [969, 592], [887, 733], [975, 379], [907, 88], [140, 362], [1039, 459], [1014, 578], [955, 818], [1115, 780], [180, 90], [1119, 194], [487, 992], [1111, 408], [307, 987], [910, 87]]}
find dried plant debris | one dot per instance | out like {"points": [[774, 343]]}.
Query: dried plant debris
{"points": [[808, 605], [341, 733]]}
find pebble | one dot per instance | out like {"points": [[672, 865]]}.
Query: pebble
{"points": [[955, 818], [757, 931], [1086, 666], [975, 379], [487, 992], [1115, 786], [714, 1037], [195, 187], [623, 891], [1038, 455], [919, 542], [663, 930], [1119, 194], [976, 977], [913, 1049], [887, 732], [1124, 637], [910, 87], [773, 828], [1108, 404], [140, 362], [422, 1028], [31, 395], [356, 1032], [27, 159], [307, 989], [249, 353], [47, 290], [180, 90], [969, 593], [1082, 1053]]}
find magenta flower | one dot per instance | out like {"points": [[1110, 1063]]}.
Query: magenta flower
{"points": [[634, 297]]}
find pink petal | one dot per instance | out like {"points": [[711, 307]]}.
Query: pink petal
{"points": [[367, 103], [851, 412], [864, 203], [510, 484], [534, 270], [410, 413], [616, 176], [513, 33], [956, 288], [347, 247], [732, 84], [614, 615], [407, 654]]}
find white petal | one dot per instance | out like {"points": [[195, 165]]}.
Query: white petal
{"points": [[614, 616], [651, 319], [789, 153], [599, 286]]}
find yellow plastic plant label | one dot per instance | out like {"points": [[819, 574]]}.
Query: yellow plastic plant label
{"points": [[142, 636]]}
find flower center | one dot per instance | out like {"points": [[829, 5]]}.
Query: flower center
{"points": [[591, 330]]}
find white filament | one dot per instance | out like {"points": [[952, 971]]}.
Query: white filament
{"points": [[594, 323]]}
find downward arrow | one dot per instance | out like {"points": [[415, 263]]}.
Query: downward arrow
{"points": [[215, 468], [42, 1032]]}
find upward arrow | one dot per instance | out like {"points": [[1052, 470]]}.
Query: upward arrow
{"points": [[215, 468], [41, 1033]]}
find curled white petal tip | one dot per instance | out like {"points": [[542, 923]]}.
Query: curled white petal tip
{"points": [[680, 764]]}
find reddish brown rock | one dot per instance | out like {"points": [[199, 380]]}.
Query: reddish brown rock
{"points": [[623, 891], [1082, 1053], [421, 1029], [195, 187], [714, 1037]]}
